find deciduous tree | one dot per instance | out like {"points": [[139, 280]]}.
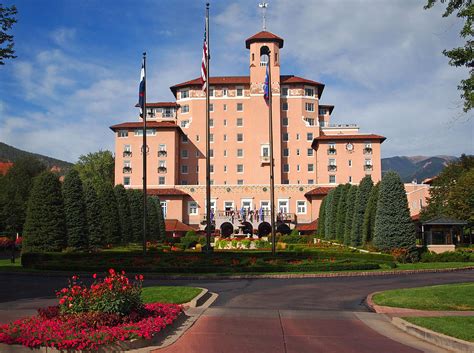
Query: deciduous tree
{"points": [[98, 167]]}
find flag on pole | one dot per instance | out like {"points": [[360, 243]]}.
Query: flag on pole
{"points": [[204, 62], [141, 90], [266, 85]]}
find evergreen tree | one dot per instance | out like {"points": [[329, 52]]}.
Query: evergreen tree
{"points": [[17, 185], [45, 227], [333, 211], [322, 219], [369, 215], [363, 194], [394, 228], [110, 215], [161, 221], [124, 213], [94, 216], [328, 219], [341, 212], [135, 198], [350, 202], [153, 225], [75, 211]]}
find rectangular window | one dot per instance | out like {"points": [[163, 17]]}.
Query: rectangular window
{"points": [[240, 182], [211, 122], [240, 168], [284, 106], [184, 153], [184, 182], [240, 152], [225, 122], [224, 92], [297, 151], [240, 107], [309, 136], [286, 168], [225, 153], [184, 123], [285, 137], [211, 153], [192, 208], [126, 164], [211, 107], [225, 107], [149, 132], [197, 138], [350, 179], [301, 207], [184, 169], [297, 167], [311, 167], [126, 181], [211, 168], [185, 94], [161, 164], [310, 152], [322, 111], [122, 133], [240, 92], [162, 147], [185, 109], [240, 122], [297, 137], [225, 137], [211, 138], [240, 137], [225, 169], [284, 121], [332, 179], [309, 121], [184, 139], [332, 161], [284, 91], [309, 92], [350, 162], [164, 207], [161, 180], [198, 154], [211, 91], [311, 181], [286, 152], [309, 107]]}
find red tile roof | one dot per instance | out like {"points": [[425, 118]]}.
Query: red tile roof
{"points": [[173, 225], [350, 137], [245, 80], [319, 191], [5, 166], [166, 192], [308, 226], [160, 105], [264, 36], [149, 124]]}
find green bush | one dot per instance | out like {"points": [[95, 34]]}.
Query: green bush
{"points": [[294, 239], [246, 243], [451, 256], [189, 240]]}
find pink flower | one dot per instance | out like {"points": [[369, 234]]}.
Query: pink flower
{"points": [[94, 275]]}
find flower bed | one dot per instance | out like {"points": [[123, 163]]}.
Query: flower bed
{"points": [[108, 312]]}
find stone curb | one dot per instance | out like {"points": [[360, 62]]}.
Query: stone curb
{"points": [[251, 276], [164, 338], [433, 337]]}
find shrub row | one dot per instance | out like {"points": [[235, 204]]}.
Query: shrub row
{"points": [[451, 256]]}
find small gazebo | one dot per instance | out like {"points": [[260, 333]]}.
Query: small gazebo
{"points": [[444, 234]]}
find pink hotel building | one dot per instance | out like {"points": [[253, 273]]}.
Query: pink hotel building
{"points": [[311, 154]]}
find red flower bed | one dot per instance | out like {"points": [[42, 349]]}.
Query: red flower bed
{"points": [[86, 318]]}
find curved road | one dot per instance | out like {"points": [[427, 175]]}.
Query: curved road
{"points": [[274, 315]]}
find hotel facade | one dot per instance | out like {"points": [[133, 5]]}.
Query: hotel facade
{"points": [[311, 154]]}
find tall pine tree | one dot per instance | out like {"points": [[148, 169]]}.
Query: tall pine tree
{"points": [[369, 216], [136, 214], [341, 212], [394, 228], [153, 219], [75, 211], [161, 221], [94, 216], [363, 194], [328, 219], [45, 227], [333, 211], [110, 214], [322, 219], [124, 213], [351, 198]]}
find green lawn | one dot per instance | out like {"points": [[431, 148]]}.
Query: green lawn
{"points": [[442, 297], [461, 327], [169, 294]]}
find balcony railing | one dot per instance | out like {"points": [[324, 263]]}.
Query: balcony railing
{"points": [[162, 153], [332, 168], [161, 170], [167, 115], [127, 153], [332, 151], [238, 216], [127, 170], [368, 150], [368, 167]]}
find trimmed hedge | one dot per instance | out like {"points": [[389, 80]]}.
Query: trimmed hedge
{"points": [[187, 262], [451, 256]]}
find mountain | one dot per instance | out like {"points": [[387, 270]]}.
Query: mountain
{"points": [[416, 167], [11, 154]]}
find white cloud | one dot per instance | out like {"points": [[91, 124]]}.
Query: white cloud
{"points": [[63, 36]]}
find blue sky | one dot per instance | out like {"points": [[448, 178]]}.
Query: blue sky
{"points": [[78, 66]]}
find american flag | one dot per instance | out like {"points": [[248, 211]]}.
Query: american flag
{"points": [[203, 64]]}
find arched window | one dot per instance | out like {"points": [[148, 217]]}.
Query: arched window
{"points": [[264, 55]]}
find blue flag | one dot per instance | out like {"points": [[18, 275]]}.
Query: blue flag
{"points": [[266, 85], [141, 90]]}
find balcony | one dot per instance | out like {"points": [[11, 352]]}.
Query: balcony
{"points": [[332, 151], [368, 150], [264, 159], [127, 170], [127, 153], [332, 168], [167, 115], [161, 170], [368, 167], [162, 153]]}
